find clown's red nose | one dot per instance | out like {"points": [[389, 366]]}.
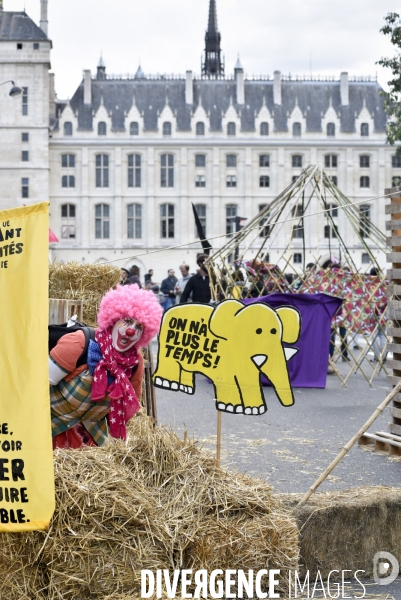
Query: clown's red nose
{"points": [[130, 332]]}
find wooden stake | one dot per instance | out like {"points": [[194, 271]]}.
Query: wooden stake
{"points": [[218, 441], [352, 442]]}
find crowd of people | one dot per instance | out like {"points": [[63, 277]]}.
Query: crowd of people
{"points": [[189, 287]]}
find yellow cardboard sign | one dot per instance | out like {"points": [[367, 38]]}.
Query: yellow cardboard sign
{"points": [[233, 345], [26, 458]]}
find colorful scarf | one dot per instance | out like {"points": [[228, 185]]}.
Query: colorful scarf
{"points": [[124, 402]]}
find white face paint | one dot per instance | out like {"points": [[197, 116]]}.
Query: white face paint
{"points": [[125, 333]]}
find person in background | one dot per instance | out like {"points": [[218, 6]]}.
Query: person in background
{"points": [[168, 289], [124, 276], [182, 282], [198, 284], [160, 297], [380, 341], [134, 276], [148, 277]]}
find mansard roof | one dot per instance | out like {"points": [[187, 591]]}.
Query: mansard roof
{"points": [[152, 94], [18, 26]]}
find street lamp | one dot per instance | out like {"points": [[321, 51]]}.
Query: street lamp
{"points": [[15, 90]]}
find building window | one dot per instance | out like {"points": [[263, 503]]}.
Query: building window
{"points": [[297, 258], [102, 171], [231, 160], [364, 161], [264, 128], [167, 128], [24, 101], [200, 128], [167, 170], [200, 160], [333, 210], [25, 187], [396, 161], [264, 181], [166, 221], [231, 213], [330, 161], [134, 221], [294, 178], [231, 128], [25, 137], [201, 210], [134, 170], [101, 128], [298, 229], [264, 160], [68, 181], [331, 130], [296, 129], [68, 128], [364, 220], [365, 258], [396, 181], [102, 221], [68, 160], [364, 129], [330, 232], [19, 46], [334, 179], [134, 128], [264, 230], [297, 160], [200, 181], [36, 46], [231, 181], [25, 156], [68, 221], [364, 182]]}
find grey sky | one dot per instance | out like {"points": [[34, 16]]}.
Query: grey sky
{"points": [[293, 36]]}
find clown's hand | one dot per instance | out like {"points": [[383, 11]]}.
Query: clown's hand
{"points": [[56, 373]]}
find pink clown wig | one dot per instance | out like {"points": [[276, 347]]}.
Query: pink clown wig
{"points": [[131, 301]]}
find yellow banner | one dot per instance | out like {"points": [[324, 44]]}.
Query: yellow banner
{"points": [[26, 457]]}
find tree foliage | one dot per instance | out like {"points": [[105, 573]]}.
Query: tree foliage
{"points": [[392, 98]]}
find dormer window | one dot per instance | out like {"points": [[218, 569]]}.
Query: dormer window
{"points": [[365, 129], [68, 128], [264, 129], [296, 129], [101, 128], [200, 128], [167, 128], [134, 128], [231, 129], [331, 130]]}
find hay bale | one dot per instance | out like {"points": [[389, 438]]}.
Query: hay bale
{"points": [[73, 281], [21, 575], [153, 503], [345, 529]]}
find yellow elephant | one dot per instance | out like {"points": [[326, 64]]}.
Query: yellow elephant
{"points": [[233, 345]]}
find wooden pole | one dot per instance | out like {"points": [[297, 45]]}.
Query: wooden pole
{"points": [[218, 441], [351, 443]]}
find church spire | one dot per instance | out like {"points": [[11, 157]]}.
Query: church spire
{"points": [[212, 64]]}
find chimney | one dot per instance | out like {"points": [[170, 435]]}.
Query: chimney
{"points": [[87, 87], [344, 89], [44, 23], [52, 96], [239, 77], [277, 87], [189, 89]]}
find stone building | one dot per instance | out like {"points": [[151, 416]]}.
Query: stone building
{"points": [[123, 160]]}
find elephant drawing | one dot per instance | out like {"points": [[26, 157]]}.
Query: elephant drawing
{"points": [[233, 345]]}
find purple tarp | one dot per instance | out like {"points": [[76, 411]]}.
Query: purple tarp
{"points": [[308, 368]]}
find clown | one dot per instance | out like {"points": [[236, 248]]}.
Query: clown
{"points": [[110, 384]]}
